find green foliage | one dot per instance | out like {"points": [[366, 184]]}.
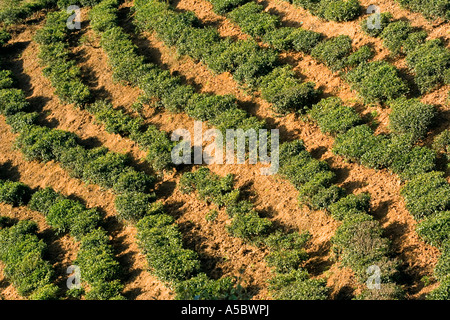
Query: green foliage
{"points": [[369, 27], [338, 10], [426, 194], [441, 143], [47, 292], [333, 117], [287, 93], [103, 15], [253, 20], [296, 285], [99, 267], [6, 80], [333, 52], [202, 288], [22, 255], [132, 206], [161, 242], [4, 37], [249, 226], [224, 6], [377, 81], [436, 228], [430, 62], [212, 215], [21, 120], [433, 8], [14, 193], [387, 291], [363, 54], [410, 116], [350, 206], [12, 101]]}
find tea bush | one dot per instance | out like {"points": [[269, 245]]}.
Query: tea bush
{"points": [[435, 229], [434, 8], [333, 52], [333, 117], [14, 193], [224, 6], [12, 101], [368, 24], [377, 81], [297, 285], [410, 116], [133, 206]]}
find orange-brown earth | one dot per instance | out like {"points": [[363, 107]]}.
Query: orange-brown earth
{"points": [[273, 196]]}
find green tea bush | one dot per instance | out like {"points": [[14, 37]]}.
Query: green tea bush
{"points": [[201, 287], [363, 54], [442, 292], [286, 92], [368, 24], [333, 117], [103, 15], [249, 226], [43, 199], [6, 80], [394, 34], [253, 20], [14, 193], [333, 52], [426, 194], [161, 242], [106, 169], [338, 10], [441, 143], [350, 206], [4, 37], [296, 285], [435, 229], [22, 255], [12, 101], [133, 206], [433, 8], [410, 116], [21, 120], [305, 40], [356, 142], [377, 81], [224, 6], [430, 62]]}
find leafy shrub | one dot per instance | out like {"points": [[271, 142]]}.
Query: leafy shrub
{"points": [[340, 10], [22, 254], [360, 56], [105, 170], [410, 116], [333, 52], [433, 8], [356, 142], [333, 117], [106, 291], [297, 285], [161, 242], [253, 20], [6, 80], [132, 206], [249, 226], [394, 34], [377, 81], [103, 15], [369, 27], [21, 120], [441, 143], [426, 194], [286, 92], [305, 40], [224, 6], [349, 206], [133, 181], [436, 228], [47, 292], [14, 193], [43, 199], [442, 292], [430, 62], [4, 37], [202, 288], [12, 101]]}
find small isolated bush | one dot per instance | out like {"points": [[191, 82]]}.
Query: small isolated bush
{"points": [[201, 287], [410, 116], [426, 194], [337, 10], [14, 193], [333, 117], [296, 285], [377, 81], [333, 52], [249, 226]]}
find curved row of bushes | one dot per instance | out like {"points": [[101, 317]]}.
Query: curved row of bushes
{"points": [[286, 250], [257, 67], [433, 8], [429, 60], [65, 77], [95, 257]]}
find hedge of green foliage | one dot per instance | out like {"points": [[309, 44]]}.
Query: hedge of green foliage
{"points": [[441, 144], [248, 62], [431, 64], [22, 253], [335, 10], [427, 194], [286, 250], [14, 11], [161, 241], [333, 52], [333, 117], [399, 36], [65, 215], [377, 81], [396, 153], [99, 267], [4, 37], [410, 116], [253, 20], [433, 8], [63, 72], [14, 193]]}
